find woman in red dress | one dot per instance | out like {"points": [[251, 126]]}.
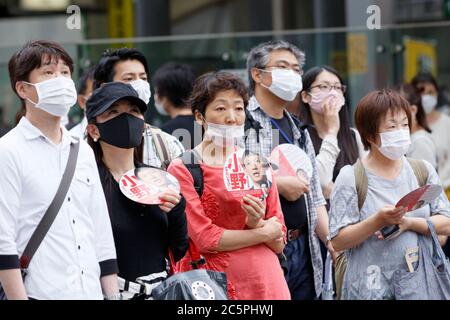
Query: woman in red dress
{"points": [[240, 237]]}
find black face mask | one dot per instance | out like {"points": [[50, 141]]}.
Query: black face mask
{"points": [[124, 131]]}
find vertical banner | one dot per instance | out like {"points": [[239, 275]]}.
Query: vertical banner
{"points": [[420, 56], [121, 20], [357, 54]]}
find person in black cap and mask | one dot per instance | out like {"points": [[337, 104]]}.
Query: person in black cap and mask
{"points": [[143, 233]]}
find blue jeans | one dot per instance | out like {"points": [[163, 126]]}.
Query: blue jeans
{"points": [[300, 274]]}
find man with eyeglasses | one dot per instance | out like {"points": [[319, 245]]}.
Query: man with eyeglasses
{"points": [[274, 71]]}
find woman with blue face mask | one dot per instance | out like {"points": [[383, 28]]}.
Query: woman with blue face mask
{"points": [[143, 234], [383, 119], [239, 237]]}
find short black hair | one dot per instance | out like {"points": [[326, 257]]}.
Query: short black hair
{"points": [[174, 81], [82, 81], [247, 153], [104, 71]]}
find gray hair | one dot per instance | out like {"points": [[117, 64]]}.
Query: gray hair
{"points": [[259, 56]]}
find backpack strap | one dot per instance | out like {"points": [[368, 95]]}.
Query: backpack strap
{"points": [[420, 171], [191, 162], [361, 182], [251, 123], [161, 146], [302, 128]]}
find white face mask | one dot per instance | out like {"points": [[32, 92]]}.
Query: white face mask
{"points": [[224, 135], [159, 107], [429, 103], [395, 144], [55, 96], [286, 84], [142, 87]]}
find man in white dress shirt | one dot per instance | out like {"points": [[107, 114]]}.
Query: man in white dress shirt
{"points": [[76, 259]]}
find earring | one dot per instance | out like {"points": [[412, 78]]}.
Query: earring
{"points": [[95, 139]]}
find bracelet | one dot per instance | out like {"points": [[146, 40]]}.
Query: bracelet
{"points": [[115, 296]]}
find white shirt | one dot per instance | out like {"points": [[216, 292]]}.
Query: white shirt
{"points": [[326, 159], [441, 136], [423, 147], [80, 129], [328, 154], [67, 263]]}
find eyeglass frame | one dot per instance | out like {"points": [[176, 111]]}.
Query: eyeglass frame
{"points": [[343, 88], [300, 72]]}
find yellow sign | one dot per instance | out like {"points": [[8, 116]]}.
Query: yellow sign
{"points": [[357, 53], [339, 62], [121, 18], [420, 56]]}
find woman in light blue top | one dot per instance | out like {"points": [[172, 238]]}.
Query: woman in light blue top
{"points": [[383, 119]]}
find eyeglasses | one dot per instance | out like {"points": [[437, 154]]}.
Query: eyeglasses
{"points": [[327, 87], [300, 72]]}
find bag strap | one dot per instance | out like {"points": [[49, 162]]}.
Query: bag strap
{"points": [[302, 127], [361, 182], [196, 258], [52, 211], [436, 245], [191, 161], [432, 231], [420, 171], [251, 123], [161, 146]]}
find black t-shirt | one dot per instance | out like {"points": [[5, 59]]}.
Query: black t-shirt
{"points": [[186, 122], [295, 214], [143, 233]]}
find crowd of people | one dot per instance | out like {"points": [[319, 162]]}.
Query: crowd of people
{"points": [[101, 244]]}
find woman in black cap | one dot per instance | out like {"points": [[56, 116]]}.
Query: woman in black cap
{"points": [[143, 233]]}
